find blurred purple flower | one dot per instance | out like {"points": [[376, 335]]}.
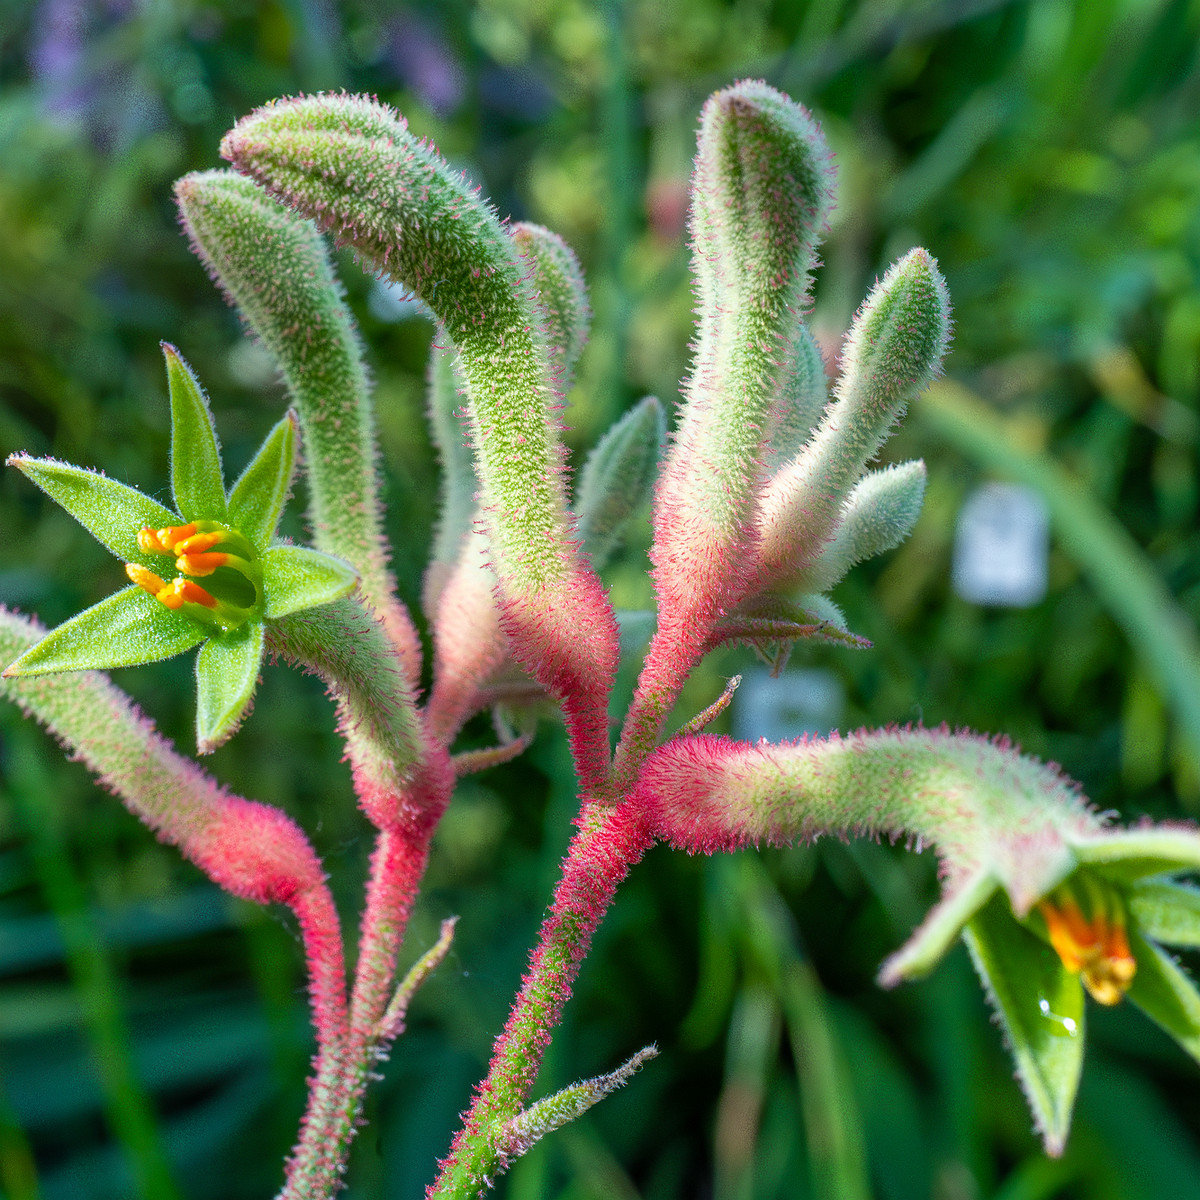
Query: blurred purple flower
{"points": [[78, 84], [423, 59]]}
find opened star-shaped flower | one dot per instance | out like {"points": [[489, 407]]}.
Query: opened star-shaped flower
{"points": [[226, 576]]}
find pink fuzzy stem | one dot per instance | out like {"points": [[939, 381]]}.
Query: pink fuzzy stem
{"points": [[315, 1166], [609, 842], [396, 869], [336, 1092]]}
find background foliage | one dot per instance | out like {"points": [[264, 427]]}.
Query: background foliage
{"points": [[153, 1036]]}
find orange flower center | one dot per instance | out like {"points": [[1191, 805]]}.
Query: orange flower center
{"points": [[207, 550], [1089, 936]]}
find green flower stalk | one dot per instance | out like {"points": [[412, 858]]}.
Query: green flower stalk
{"points": [[276, 269], [353, 166], [231, 578], [761, 197]]}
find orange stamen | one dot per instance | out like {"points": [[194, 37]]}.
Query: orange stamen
{"points": [[197, 542], [1097, 949], [182, 591], [201, 564]]}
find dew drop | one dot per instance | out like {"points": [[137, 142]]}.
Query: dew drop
{"points": [[1059, 1026]]}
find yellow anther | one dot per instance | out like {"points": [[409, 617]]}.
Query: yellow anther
{"points": [[147, 580], [165, 540], [148, 542]]}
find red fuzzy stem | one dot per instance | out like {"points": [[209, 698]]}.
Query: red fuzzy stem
{"points": [[566, 635], [316, 1164], [397, 864], [609, 842], [258, 853], [675, 649]]}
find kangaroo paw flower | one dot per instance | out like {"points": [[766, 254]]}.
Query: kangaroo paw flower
{"points": [[229, 578]]}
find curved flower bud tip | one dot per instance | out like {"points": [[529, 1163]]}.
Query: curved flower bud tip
{"points": [[353, 166], [894, 349], [761, 197], [1050, 901]]}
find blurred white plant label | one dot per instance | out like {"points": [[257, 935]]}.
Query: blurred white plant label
{"points": [[1002, 546], [799, 701]]}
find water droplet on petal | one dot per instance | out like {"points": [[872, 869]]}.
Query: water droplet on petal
{"points": [[1059, 1026]]}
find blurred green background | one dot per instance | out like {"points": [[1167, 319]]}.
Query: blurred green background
{"points": [[153, 1036]]}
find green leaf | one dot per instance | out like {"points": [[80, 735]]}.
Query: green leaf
{"points": [[196, 480], [1040, 1005], [126, 629], [1165, 993], [226, 675], [938, 932], [111, 512], [295, 578], [1166, 912], [257, 500], [527, 1128]]}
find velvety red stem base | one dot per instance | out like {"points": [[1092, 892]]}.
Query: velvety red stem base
{"points": [[609, 842]]}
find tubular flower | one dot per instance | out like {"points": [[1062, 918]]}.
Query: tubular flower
{"points": [[228, 578]]}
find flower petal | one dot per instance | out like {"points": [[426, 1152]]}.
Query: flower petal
{"points": [[1165, 993], [1166, 912], [1125, 855], [196, 481], [938, 932], [257, 500], [1040, 1006], [111, 512], [295, 578], [226, 676], [124, 630]]}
